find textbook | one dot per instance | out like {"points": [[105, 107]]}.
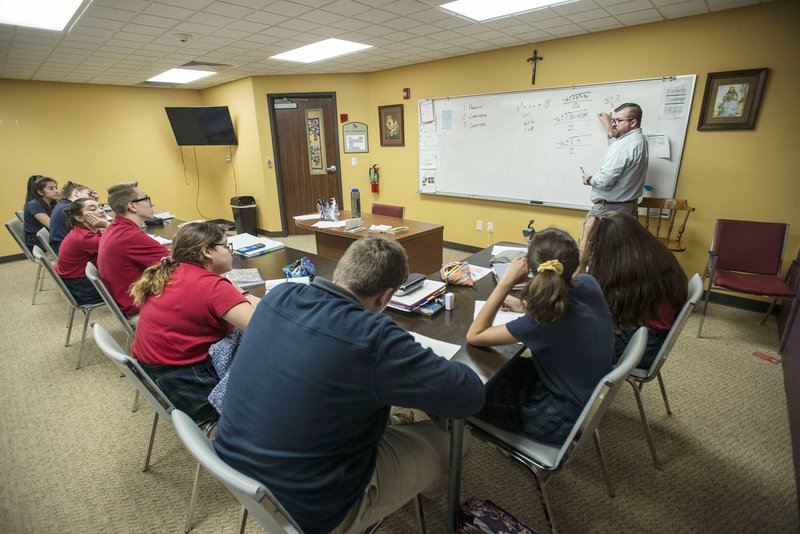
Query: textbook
{"points": [[248, 245], [245, 278], [499, 269], [430, 291]]}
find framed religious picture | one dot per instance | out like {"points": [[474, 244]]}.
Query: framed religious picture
{"points": [[731, 99], [390, 119]]}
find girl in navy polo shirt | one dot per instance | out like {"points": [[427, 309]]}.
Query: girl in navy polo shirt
{"points": [[42, 196], [566, 326]]}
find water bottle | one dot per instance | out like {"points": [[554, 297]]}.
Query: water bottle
{"points": [[334, 210], [355, 203], [647, 191]]}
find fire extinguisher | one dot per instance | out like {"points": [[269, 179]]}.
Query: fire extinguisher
{"points": [[374, 178]]}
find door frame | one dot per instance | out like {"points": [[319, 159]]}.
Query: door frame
{"points": [[271, 98]]}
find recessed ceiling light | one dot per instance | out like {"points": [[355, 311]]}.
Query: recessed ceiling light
{"points": [[322, 50], [481, 10], [181, 75], [40, 14]]}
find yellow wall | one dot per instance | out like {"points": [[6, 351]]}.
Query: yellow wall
{"points": [[101, 134]]}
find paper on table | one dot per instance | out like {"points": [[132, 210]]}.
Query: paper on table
{"points": [[379, 227], [163, 215], [497, 249], [245, 240], [476, 272], [309, 217], [161, 240], [272, 284], [502, 316], [442, 348], [328, 224]]}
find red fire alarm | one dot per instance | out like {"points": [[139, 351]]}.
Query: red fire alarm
{"points": [[406, 93], [343, 117]]}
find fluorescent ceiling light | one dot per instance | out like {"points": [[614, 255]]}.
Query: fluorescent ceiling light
{"points": [[481, 10], [41, 14], [181, 75], [322, 50]]}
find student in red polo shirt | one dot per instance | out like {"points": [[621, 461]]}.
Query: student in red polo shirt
{"points": [[86, 220], [186, 306], [125, 251]]}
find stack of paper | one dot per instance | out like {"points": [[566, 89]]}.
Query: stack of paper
{"points": [[245, 278], [249, 245], [425, 293], [161, 240], [387, 229]]}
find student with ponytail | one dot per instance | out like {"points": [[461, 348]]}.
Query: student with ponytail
{"points": [[186, 306], [566, 326], [86, 220], [42, 196]]}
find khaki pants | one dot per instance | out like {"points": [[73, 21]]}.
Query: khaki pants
{"points": [[412, 459]]}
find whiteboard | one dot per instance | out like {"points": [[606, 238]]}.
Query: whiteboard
{"points": [[530, 146]]}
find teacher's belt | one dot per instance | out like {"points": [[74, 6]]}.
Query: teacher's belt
{"points": [[604, 202]]}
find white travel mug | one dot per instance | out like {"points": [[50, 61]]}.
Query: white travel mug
{"points": [[449, 298]]}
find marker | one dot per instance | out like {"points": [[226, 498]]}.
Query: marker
{"points": [[582, 171], [536, 202]]}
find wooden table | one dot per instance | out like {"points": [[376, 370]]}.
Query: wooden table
{"points": [[422, 242]]}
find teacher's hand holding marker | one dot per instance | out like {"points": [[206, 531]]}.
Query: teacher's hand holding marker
{"points": [[586, 177]]}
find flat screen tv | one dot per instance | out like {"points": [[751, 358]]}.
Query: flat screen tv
{"points": [[202, 125]]}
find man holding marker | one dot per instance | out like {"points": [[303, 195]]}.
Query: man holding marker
{"points": [[617, 185]]}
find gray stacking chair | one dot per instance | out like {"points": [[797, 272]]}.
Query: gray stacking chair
{"points": [[15, 228], [639, 377], [20, 215], [44, 239], [94, 278], [543, 460], [86, 309], [162, 406], [254, 496]]}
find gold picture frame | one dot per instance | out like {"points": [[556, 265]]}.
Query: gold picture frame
{"points": [[731, 99]]}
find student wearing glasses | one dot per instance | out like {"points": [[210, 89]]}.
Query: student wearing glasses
{"points": [[125, 250], [618, 182], [187, 306]]}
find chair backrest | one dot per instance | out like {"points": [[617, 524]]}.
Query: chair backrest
{"points": [[388, 210], [18, 233], [20, 215], [602, 396], [695, 291], [42, 258], [94, 278], [749, 246], [254, 496], [44, 238], [131, 368], [661, 216]]}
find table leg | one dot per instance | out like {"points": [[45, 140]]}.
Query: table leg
{"points": [[454, 483]]}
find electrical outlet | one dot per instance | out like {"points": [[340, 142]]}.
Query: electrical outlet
{"points": [[479, 225], [354, 161], [490, 227]]}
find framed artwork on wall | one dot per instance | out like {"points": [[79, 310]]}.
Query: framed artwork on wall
{"points": [[731, 99], [390, 119]]}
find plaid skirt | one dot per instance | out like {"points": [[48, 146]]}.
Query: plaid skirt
{"points": [[188, 387], [517, 401]]}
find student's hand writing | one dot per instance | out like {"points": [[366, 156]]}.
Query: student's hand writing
{"points": [[512, 303], [516, 272]]}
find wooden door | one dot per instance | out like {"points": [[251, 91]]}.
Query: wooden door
{"points": [[307, 155]]}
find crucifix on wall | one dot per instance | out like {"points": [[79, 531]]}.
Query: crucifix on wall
{"points": [[533, 60]]}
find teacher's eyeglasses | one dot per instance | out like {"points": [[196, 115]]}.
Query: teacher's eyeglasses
{"points": [[615, 121]]}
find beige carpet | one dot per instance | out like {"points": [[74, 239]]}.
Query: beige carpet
{"points": [[72, 450]]}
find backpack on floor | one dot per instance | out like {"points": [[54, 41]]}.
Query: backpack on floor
{"points": [[485, 517]]}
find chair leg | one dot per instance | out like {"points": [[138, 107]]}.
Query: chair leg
{"points": [[86, 314], [150, 445], [645, 424], [135, 401], [243, 520], [69, 325], [37, 284], [192, 500], [606, 476], [664, 393], [769, 311], [705, 309], [548, 514], [420, 513]]}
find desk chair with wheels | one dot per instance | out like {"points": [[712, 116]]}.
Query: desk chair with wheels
{"points": [[85, 309], [44, 238], [161, 405], [543, 460], [746, 257], [389, 210], [660, 218], [254, 496], [15, 228], [639, 377]]}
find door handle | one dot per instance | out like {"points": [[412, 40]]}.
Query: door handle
{"points": [[332, 168]]}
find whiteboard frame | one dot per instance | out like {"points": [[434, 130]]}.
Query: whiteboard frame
{"points": [[573, 86]]}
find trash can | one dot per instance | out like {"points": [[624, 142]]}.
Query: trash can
{"points": [[244, 214]]}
